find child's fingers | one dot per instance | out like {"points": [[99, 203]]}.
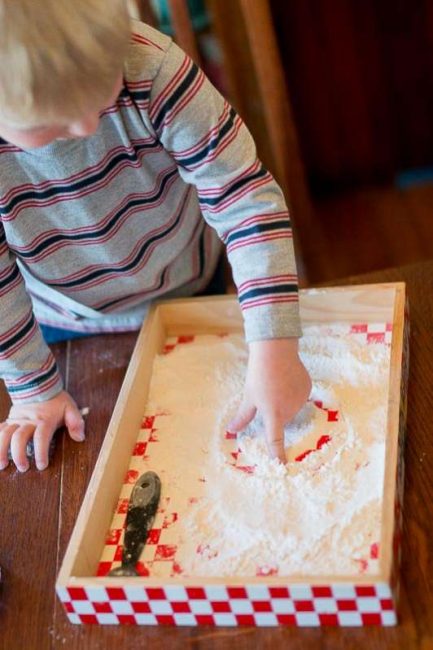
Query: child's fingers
{"points": [[41, 443], [242, 418], [74, 423], [19, 440], [274, 432], [6, 431]]}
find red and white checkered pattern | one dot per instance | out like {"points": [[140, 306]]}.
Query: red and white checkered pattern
{"points": [[160, 549], [372, 332], [340, 604], [256, 605]]}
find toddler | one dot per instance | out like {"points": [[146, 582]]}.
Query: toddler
{"points": [[121, 172]]}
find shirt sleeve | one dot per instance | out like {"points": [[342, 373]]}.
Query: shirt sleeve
{"points": [[27, 365], [238, 197]]}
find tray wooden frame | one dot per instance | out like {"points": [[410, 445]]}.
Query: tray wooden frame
{"points": [[361, 303]]}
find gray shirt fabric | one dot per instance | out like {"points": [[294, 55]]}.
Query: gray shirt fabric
{"points": [[92, 230]]}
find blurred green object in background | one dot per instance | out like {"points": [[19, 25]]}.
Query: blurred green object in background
{"points": [[197, 10]]}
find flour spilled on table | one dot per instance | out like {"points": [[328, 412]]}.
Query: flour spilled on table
{"points": [[241, 513]]}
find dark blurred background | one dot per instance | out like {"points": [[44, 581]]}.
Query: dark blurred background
{"points": [[360, 74], [359, 78]]}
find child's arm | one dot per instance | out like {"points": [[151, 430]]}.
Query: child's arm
{"points": [[30, 374], [239, 198]]}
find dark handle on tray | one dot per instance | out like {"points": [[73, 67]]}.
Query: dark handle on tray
{"points": [[140, 516]]}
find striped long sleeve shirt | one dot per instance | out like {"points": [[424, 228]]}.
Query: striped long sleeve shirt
{"points": [[92, 230]]}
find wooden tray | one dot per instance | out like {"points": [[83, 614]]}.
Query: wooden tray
{"points": [[261, 600]]}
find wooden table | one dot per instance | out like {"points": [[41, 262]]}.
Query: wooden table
{"points": [[38, 510]]}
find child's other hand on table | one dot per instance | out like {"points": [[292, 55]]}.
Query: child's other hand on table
{"points": [[277, 386], [38, 420]]}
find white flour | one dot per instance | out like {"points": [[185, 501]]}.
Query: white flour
{"points": [[241, 513]]}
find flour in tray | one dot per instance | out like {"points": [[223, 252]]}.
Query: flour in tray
{"points": [[321, 513]]}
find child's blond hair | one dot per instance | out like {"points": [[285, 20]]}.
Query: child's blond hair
{"points": [[59, 58]]}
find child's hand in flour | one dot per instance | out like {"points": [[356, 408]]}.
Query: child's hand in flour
{"points": [[38, 420], [277, 386]]}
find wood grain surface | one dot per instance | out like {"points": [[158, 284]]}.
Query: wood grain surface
{"points": [[38, 511]]}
